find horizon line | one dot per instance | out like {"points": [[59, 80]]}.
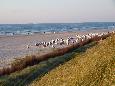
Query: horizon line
{"points": [[63, 22]]}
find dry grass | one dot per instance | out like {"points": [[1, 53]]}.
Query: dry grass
{"points": [[95, 67]]}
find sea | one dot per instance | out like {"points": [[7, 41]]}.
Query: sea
{"points": [[26, 29]]}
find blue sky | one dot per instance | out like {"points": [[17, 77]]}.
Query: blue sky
{"points": [[56, 11]]}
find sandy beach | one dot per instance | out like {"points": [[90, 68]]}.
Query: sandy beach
{"points": [[16, 46]]}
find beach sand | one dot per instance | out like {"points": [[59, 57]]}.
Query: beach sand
{"points": [[16, 46]]}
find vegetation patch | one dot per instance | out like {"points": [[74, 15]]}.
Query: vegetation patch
{"points": [[95, 67], [29, 74]]}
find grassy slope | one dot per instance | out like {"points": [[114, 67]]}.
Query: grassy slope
{"points": [[29, 74], [95, 67]]}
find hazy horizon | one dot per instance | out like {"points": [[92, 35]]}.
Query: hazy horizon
{"points": [[56, 11]]}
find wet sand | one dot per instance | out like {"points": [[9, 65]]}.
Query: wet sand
{"points": [[16, 46]]}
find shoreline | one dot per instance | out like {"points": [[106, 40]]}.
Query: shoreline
{"points": [[42, 33]]}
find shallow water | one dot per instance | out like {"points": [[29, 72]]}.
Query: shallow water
{"points": [[16, 29]]}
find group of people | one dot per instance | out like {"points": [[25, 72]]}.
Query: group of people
{"points": [[69, 40]]}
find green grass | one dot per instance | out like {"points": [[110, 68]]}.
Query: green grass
{"points": [[95, 67], [29, 74]]}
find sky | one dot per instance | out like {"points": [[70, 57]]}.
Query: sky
{"points": [[56, 11]]}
